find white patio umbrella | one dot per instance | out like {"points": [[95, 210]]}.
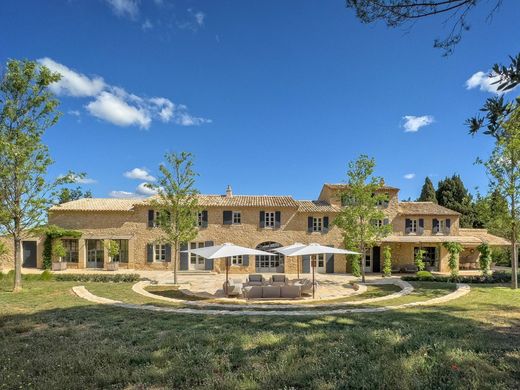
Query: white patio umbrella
{"points": [[285, 250], [227, 250], [315, 249]]}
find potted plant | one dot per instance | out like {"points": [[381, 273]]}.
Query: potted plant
{"points": [[58, 252], [113, 251]]}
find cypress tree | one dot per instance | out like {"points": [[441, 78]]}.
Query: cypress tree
{"points": [[427, 192]]}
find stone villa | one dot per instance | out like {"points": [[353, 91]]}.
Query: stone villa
{"points": [[263, 222]]}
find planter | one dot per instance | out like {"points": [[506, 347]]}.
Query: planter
{"points": [[112, 266], [59, 266]]}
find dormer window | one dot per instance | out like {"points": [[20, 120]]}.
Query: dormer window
{"points": [[383, 201], [414, 226], [441, 226]]}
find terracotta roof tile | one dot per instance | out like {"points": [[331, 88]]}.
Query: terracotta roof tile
{"points": [[424, 208], [97, 204], [247, 201], [484, 236], [309, 206]]}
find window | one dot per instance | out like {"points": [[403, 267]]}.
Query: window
{"points": [[320, 261], [430, 255], [413, 226], [237, 260], [383, 201], [71, 249], [378, 223], [122, 257], [159, 252], [269, 219], [236, 218], [200, 219], [196, 261], [317, 224]]}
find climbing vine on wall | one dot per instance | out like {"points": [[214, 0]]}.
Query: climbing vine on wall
{"points": [[53, 232]]}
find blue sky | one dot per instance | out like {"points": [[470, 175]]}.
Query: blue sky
{"points": [[272, 97]]}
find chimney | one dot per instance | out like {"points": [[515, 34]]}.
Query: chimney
{"points": [[229, 192]]}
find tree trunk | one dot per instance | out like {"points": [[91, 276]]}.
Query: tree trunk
{"points": [[514, 260], [17, 264], [175, 251], [362, 263]]}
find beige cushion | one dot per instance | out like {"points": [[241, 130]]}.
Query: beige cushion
{"points": [[252, 292], [271, 292], [290, 291]]}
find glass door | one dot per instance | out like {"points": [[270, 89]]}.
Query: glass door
{"points": [[368, 260], [95, 254]]}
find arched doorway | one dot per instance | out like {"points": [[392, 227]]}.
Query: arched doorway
{"points": [[269, 263]]}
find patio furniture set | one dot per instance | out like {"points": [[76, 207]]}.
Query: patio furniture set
{"points": [[276, 287]]}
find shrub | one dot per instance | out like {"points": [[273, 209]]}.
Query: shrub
{"points": [[485, 258], [496, 277], [356, 267], [501, 256], [454, 248], [424, 275], [118, 278], [387, 262], [419, 259], [46, 275]]}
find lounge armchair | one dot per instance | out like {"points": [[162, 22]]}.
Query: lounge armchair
{"points": [[234, 287], [255, 280], [278, 280], [396, 268], [305, 286], [410, 268]]}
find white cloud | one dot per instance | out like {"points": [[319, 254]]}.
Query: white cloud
{"points": [[116, 105], [195, 20], [116, 110], [414, 123], [122, 194], [147, 25], [72, 83], [139, 174], [483, 81], [143, 189], [126, 8], [409, 176], [199, 18], [74, 113]]}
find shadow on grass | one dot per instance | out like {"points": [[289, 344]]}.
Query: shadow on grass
{"points": [[98, 347]]}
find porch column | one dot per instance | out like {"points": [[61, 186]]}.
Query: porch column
{"points": [[82, 253]]}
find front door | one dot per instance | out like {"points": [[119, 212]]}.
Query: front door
{"points": [[269, 263], [368, 260], [197, 263], [29, 254], [95, 254], [376, 259], [320, 263]]}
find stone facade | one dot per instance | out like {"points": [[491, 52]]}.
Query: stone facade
{"points": [[106, 219]]}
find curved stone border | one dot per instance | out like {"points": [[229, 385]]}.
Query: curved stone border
{"points": [[406, 288], [82, 292]]}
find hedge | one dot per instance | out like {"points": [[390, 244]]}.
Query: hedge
{"points": [[117, 278], [496, 277]]}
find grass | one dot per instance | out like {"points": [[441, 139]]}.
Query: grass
{"points": [[49, 338]]}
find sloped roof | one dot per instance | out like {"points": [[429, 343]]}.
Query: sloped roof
{"points": [[484, 236], [97, 204], [309, 206], [424, 208], [469, 240], [247, 201], [340, 186]]}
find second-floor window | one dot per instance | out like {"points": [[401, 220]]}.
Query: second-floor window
{"points": [[237, 260], [413, 226], [200, 219], [317, 224], [159, 253], [269, 219], [441, 226], [236, 217]]}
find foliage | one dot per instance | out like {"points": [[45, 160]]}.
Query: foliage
{"points": [[452, 194], [3, 248], [427, 192], [454, 249], [387, 261], [496, 277], [355, 265], [424, 275], [112, 248], [502, 122], [53, 232], [419, 259], [501, 256], [492, 213], [396, 13], [46, 275], [69, 194], [27, 110], [117, 278], [177, 202], [58, 250], [485, 257]]}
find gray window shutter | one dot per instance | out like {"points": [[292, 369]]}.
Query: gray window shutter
{"points": [[168, 250], [262, 219], [184, 263], [329, 262], [204, 218], [227, 217], [407, 225], [309, 224], [448, 223], [151, 216], [421, 222], [325, 224], [208, 263], [386, 221], [306, 264], [245, 260], [277, 219], [149, 253]]}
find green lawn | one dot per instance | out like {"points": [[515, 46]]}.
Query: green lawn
{"points": [[51, 339]]}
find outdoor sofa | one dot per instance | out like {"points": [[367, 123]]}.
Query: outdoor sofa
{"points": [[272, 292]]}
